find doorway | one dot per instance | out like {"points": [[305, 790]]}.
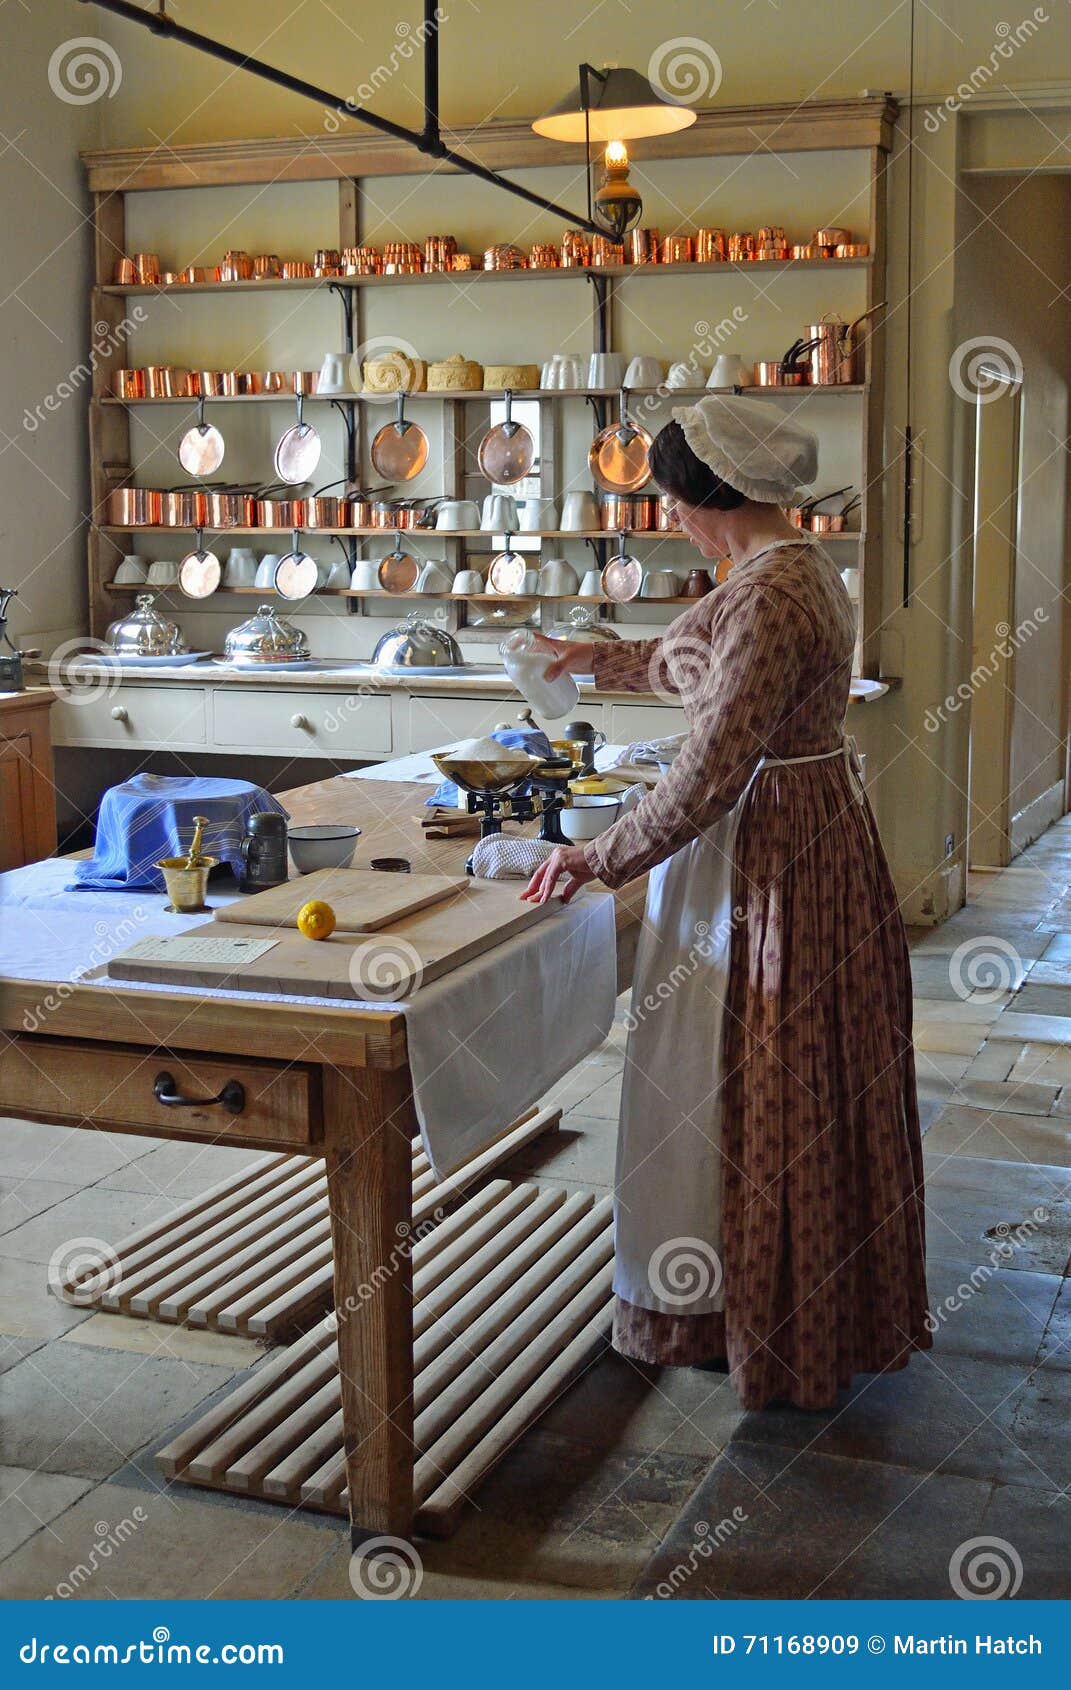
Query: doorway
{"points": [[1011, 371]]}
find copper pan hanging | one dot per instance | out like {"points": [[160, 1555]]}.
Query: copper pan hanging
{"points": [[399, 570], [507, 451], [201, 448], [199, 571], [400, 448], [298, 450], [296, 574], [618, 458]]}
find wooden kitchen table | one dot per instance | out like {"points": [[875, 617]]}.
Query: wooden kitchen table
{"points": [[318, 1082]]}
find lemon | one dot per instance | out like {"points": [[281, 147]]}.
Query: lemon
{"points": [[316, 919]]}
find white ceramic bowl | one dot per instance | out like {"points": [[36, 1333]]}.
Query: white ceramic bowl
{"points": [[587, 817], [330, 845]]}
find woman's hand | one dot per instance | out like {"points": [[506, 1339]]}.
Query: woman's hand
{"points": [[563, 860], [571, 657]]}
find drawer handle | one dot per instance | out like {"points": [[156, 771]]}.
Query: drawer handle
{"points": [[119, 713], [231, 1098], [300, 721]]}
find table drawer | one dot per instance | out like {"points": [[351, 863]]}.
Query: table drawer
{"points": [[83, 1083], [320, 724], [150, 716]]}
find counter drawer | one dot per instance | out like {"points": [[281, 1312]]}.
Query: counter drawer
{"points": [[83, 1083], [439, 721], [320, 724], [630, 722], [160, 716]]}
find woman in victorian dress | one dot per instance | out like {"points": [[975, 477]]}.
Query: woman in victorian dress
{"points": [[768, 1192]]}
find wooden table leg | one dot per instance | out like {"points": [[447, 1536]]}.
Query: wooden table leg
{"points": [[369, 1123]]}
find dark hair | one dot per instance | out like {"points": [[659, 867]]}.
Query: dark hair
{"points": [[684, 476]]}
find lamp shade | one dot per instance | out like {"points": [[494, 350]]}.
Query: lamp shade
{"points": [[623, 107]]}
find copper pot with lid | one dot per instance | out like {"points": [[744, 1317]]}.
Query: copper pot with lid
{"points": [[836, 356]]}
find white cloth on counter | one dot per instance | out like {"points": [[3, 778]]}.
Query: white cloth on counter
{"points": [[494, 1035], [485, 1041]]}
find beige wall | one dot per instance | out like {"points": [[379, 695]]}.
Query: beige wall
{"points": [[44, 327], [510, 60]]}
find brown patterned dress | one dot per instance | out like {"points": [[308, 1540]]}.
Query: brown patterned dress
{"points": [[820, 1153]]}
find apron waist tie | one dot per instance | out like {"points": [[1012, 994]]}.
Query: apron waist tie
{"points": [[847, 749]]}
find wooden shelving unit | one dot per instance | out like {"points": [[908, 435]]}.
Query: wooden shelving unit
{"points": [[861, 125]]}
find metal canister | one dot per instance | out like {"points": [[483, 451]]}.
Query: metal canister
{"points": [[263, 852]]}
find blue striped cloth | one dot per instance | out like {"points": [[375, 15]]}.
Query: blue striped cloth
{"points": [[151, 816]]}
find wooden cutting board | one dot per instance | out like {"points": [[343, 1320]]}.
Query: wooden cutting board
{"points": [[381, 967], [363, 899]]}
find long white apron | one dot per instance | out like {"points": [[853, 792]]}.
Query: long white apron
{"points": [[667, 1188], [668, 1182]]}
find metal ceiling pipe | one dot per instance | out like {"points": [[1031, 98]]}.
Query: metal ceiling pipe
{"points": [[427, 141]]}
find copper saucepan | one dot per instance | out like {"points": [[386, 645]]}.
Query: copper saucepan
{"points": [[619, 512], [134, 507], [231, 507], [277, 507], [185, 507], [327, 510]]}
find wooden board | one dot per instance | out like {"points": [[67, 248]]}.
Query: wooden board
{"points": [[501, 1334], [252, 1256], [362, 899], [385, 967]]}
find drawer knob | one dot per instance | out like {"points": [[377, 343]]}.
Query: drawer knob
{"points": [[300, 721], [119, 713], [231, 1098]]}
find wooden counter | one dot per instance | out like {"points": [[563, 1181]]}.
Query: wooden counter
{"points": [[318, 1081], [27, 790]]}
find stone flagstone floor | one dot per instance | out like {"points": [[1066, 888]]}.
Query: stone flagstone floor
{"points": [[638, 1483]]}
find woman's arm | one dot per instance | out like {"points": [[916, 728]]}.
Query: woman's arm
{"points": [[761, 641], [618, 665]]}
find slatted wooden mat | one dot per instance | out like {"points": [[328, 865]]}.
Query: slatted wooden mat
{"points": [[253, 1255], [512, 1300]]}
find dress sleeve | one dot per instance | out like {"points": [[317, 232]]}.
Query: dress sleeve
{"points": [[628, 665], [739, 681]]}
